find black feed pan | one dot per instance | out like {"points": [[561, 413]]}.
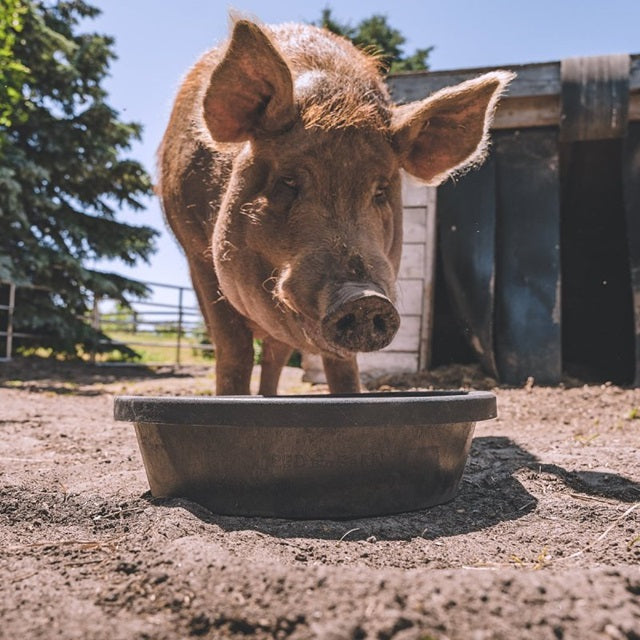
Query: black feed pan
{"points": [[316, 456]]}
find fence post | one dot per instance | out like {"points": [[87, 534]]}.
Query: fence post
{"points": [[10, 308], [95, 324], [179, 340]]}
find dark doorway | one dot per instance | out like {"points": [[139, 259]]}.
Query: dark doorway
{"points": [[450, 341], [597, 312]]}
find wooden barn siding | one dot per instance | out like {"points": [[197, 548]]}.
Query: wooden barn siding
{"points": [[532, 100], [532, 105], [409, 349]]}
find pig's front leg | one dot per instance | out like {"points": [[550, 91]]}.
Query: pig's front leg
{"points": [[234, 352], [275, 355], [342, 375], [227, 329]]}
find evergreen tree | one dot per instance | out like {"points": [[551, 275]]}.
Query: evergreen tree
{"points": [[376, 35], [12, 73], [62, 175]]}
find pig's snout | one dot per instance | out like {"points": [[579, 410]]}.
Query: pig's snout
{"points": [[360, 318]]}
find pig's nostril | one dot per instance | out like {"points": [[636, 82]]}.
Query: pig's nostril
{"points": [[360, 320], [346, 322], [379, 324]]}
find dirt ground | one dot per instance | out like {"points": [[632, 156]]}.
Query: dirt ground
{"points": [[543, 540]]}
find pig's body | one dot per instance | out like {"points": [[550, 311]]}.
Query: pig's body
{"points": [[280, 177]]}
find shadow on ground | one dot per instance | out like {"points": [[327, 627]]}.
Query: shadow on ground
{"points": [[76, 377], [489, 494]]}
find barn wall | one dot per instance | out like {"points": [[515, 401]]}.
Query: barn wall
{"points": [[520, 236], [541, 256]]}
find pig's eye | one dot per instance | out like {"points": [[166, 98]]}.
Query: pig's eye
{"points": [[290, 183], [284, 193], [380, 195]]}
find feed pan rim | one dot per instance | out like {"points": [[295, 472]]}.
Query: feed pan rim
{"points": [[321, 410]]}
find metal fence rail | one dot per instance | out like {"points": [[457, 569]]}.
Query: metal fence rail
{"points": [[143, 322], [153, 317], [7, 333]]}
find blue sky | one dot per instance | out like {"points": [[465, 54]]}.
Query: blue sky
{"points": [[157, 41]]}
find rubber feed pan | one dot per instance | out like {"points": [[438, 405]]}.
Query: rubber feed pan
{"points": [[316, 456]]}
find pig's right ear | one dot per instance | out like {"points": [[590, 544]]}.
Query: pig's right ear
{"points": [[447, 132], [251, 90]]}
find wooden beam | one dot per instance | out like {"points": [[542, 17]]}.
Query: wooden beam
{"points": [[429, 282], [532, 111], [532, 100]]}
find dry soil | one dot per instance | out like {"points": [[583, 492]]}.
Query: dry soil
{"points": [[542, 541]]}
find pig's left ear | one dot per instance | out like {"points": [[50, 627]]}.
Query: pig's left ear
{"points": [[448, 131], [251, 89]]}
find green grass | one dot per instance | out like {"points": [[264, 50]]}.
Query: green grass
{"points": [[158, 348]]}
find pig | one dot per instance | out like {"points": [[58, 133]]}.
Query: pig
{"points": [[280, 177]]}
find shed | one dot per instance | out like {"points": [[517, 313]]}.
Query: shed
{"points": [[530, 264]]}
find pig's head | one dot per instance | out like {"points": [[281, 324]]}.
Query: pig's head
{"points": [[308, 239]]}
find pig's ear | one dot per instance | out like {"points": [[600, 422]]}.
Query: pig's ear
{"points": [[448, 131], [251, 90]]}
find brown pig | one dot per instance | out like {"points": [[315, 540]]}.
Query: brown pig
{"points": [[280, 177]]}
